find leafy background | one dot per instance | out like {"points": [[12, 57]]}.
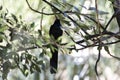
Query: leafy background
{"points": [[79, 65]]}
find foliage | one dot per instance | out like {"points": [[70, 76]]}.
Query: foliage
{"points": [[20, 39], [16, 37]]}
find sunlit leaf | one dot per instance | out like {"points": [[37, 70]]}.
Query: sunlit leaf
{"points": [[39, 43], [3, 28]]}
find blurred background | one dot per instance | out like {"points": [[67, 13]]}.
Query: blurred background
{"points": [[78, 65]]}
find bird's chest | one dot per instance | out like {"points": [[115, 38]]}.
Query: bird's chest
{"points": [[56, 32]]}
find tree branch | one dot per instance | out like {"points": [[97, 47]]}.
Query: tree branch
{"points": [[94, 45]]}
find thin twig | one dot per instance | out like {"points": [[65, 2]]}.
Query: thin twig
{"points": [[118, 58], [70, 12], [39, 11], [113, 16], [41, 21], [96, 64], [109, 22], [73, 39], [116, 35], [97, 16], [94, 45]]}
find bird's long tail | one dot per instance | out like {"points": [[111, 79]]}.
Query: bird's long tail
{"points": [[54, 60]]}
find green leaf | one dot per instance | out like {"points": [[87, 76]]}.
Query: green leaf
{"points": [[6, 68], [40, 32], [31, 68], [14, 17], [106, 49], [37, 68], [3, 37], [67, 22], [84, 26], [41, 54], [99, 47], [39, 43], [3, 28], [32, 25], [40, 62], [25, 70], [29, 56], [1, 7]]}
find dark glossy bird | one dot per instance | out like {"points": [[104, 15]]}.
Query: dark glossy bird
{"points": [[55, 32]]}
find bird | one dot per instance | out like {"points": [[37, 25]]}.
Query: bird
{"points": [[55, 32]]}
